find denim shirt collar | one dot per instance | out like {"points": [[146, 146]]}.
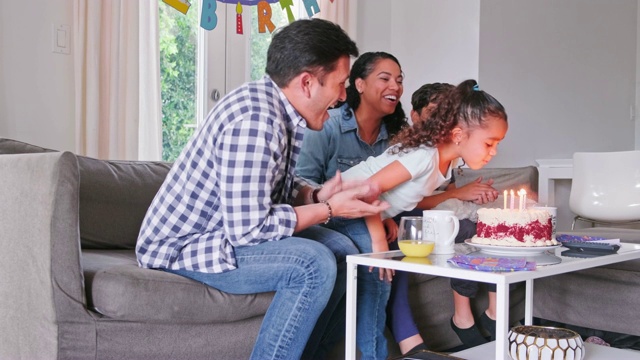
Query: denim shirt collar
{"points": [[348, 122]]}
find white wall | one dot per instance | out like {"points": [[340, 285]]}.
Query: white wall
{"points": [[434, 40], [36, 85], [565, 71]]}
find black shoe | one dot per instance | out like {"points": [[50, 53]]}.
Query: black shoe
{"points": [[489, 325], [470, 337]]}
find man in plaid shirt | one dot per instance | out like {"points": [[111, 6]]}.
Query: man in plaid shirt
{"points": [[231, 212]]}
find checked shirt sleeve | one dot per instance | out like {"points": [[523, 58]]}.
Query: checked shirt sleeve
{"points": [[251, 164]]}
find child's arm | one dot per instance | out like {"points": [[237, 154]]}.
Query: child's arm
{"points": [[391, 176], [378, 242]]}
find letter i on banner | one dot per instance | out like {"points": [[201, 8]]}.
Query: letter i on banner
{"points": [[286, 6], [180, 5], [264, 17], [238, 18], [208, 18]]}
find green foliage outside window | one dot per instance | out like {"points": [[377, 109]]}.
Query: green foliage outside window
{"points": [[178, 41], [260, 41]]}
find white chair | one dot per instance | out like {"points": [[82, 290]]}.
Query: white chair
{"points": [[606, 188]]}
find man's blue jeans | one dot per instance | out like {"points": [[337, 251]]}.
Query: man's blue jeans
{"points": [[373, 294], [302, 272]]}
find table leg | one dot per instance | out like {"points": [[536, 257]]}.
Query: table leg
{"points": [[352, 289], [528, 303], [502, 319]]}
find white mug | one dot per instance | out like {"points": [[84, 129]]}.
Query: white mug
{"points": [[440, 226], [553, 211]]}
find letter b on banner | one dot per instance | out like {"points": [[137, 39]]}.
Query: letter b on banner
{"points": [[208, 18]]}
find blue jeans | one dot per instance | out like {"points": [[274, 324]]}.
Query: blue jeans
{"points": [[302, 272], [330, 327], [373, 294]]}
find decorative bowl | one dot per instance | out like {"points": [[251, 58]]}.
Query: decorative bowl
{"points": [[416, 248], [544, 343]]}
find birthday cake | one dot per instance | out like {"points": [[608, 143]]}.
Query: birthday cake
{"points": [[509, 227]]}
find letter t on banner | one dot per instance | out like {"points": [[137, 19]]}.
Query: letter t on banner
{"points": [[286, 6]]}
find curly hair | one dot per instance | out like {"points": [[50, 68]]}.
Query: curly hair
{"points": [[465, 106], [362, 68]]}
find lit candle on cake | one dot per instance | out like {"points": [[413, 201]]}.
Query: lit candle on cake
{"points": [[521, 193], [512, 200], [505, 199]]}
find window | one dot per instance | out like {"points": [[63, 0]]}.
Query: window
{"points": [[178, 54], [228, 60]]}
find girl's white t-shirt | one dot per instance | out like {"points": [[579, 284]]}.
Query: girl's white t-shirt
{"points": [[422, 164]]}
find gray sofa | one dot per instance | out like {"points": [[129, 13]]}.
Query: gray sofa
{"points": [[72, 289]]}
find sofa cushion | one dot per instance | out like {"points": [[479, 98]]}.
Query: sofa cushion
{"points": [[123, 291], [114, 198]]}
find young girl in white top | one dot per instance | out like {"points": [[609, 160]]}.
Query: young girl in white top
{"points": [[468, 124]]}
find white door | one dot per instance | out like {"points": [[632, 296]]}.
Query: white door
{"points": [[224, 57]]}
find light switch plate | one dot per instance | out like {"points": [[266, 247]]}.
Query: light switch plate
{"points": [[61, 38]]}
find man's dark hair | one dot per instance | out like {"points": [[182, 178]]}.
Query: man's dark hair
{"points": [[312, 45], [429, 93]]}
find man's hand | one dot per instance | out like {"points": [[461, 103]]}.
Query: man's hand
{"points": [[477, 191], [336, 185], [357, 202]]}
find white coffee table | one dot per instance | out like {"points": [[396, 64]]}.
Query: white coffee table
{"points": [[440, 267]]}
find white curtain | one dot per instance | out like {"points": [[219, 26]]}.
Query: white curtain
{"points": [[117, 77], [341, 12]]}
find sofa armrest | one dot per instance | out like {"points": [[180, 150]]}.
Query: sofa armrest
{"points": [[40, 259]]}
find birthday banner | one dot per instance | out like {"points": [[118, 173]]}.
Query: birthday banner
{"points": [[209, 19]]}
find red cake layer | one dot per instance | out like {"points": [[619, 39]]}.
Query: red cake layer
{"points": [[532, 231]]}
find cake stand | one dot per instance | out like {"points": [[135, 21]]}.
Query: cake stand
{"points": [[541, 255]]}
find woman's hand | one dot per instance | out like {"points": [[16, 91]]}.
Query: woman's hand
{"points": [[385, 274], [390, 229]]}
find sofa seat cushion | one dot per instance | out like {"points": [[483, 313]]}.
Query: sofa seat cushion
{"points": [[120, 290]]}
